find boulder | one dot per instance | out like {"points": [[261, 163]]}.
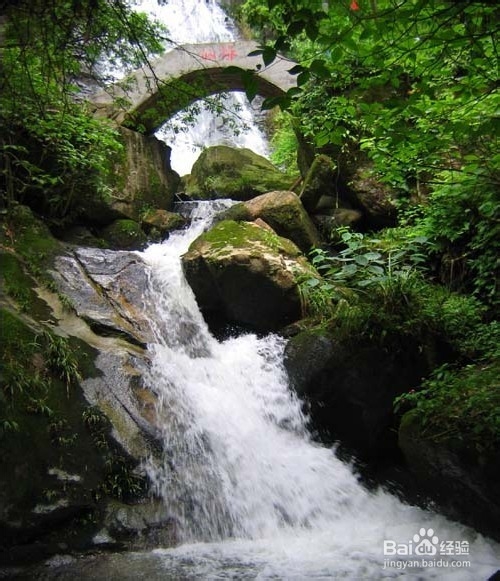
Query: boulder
{"points": [[58, 457], [145, 525], [339, 217], [162, 221], [319, 181], [228, 172], [246, 274], [140, 178], [105, 289], [283, 211], [77, 423], [374, 198], [124, 235], [350, 384], [463, 480]]}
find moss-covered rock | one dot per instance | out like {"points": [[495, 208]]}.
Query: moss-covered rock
{"points": [[124, 235], [162, 221], [319, 181], [30, 238], [247, 275], [228, 172], [17, 284], [283, 211], [140, 178], [48, 462]]}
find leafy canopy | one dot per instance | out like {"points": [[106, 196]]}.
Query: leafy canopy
{"points": [[410, 85], [52, 150]]}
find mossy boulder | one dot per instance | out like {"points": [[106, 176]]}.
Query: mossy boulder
{"points": [[462, 479], [228, 172], [319, 181], [124, 235], [29, 237], [140, 177], [284, 212], [162, 221], [247, 275]]}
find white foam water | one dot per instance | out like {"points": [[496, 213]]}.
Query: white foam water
{"points": [[254, 497]]}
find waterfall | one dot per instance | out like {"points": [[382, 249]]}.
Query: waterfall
{"points": [[241, 473], [253, 496], [200, 21]]}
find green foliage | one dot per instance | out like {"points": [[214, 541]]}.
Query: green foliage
{"points": [[461, 404], [318, 298], [412, 86], [284, 143], [359, 264], [16, 283], [376, 286], [463, 218], [52, 151], [51, 163], [60, 358], [30, 364], [120, 480]]}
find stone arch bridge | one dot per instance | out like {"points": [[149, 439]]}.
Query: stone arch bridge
{"points": [[186, 74]]}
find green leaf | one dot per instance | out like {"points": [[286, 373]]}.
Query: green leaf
{"points": [[296, 70], [361, 260], [319, 68], [268, 55]]}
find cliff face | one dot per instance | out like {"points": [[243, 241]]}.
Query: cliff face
{"points": [[75, 424]]}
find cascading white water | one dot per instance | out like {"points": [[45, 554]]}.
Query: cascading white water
{"points": [[253, 495], [241, 473], [201, 21]]}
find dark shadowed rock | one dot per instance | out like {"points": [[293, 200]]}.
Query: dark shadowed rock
{"points": [[340, 217], [371, 196], [461, 478], [350, 386]]}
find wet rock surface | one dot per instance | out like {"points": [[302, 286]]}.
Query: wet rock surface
{"points": [[106, 289]]}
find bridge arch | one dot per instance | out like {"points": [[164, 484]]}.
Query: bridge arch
{"points": [[186, 74]]}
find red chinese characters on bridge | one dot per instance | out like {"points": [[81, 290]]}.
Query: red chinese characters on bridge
{"points": [[226, 52]]}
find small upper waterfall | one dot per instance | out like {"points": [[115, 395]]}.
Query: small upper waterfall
{"points": [[200, 21], [241, 472]]}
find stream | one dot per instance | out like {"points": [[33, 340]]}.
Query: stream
{"points": [[252, 495]]}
